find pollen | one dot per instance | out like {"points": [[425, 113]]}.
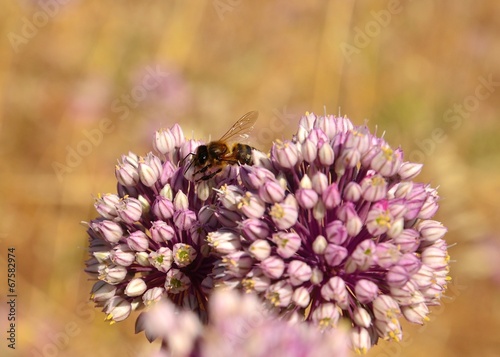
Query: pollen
{"points": [[277, 211], [384, 220], [245, 200], [388, 153]]}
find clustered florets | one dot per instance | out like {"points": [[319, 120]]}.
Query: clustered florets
{"points": [[334, 227], [149, 240], [330, 226]]}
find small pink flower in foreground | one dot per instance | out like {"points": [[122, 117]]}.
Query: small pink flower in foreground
{"points": [[239, 325], [334, 227]]}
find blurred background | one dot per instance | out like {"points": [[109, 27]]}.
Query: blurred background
{"points": [[83, 82]]}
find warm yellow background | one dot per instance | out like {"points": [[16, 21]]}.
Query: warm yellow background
{"points": [[404, 66]]}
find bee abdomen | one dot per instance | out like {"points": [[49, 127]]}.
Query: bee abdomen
{"points": [[243, 153]]}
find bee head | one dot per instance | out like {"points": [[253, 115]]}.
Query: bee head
{"points": [[201, 155]]}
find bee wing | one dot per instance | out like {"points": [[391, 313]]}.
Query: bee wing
{"points": [[241, 128]]}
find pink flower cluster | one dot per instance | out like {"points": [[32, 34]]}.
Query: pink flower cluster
{"points": [[329, 229]]}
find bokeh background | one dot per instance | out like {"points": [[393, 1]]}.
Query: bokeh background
{"points": [[84, 81]]}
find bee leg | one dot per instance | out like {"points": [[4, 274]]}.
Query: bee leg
{"points": [[202, 170], [208, 177]]}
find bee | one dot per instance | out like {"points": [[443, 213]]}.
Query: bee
{"points": [[211, 158]]}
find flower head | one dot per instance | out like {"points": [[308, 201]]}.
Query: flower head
{"points": [[336, 228], [150, 238], [330, 229]]}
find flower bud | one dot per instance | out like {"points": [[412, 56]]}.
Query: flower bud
{"points": [[335, 290], [271, 192], [206, 216], [298, 272], [335, 254], [138, 241], [348, 214], [112, 274], [325, 154], [181, 201], [284, 215], [319, 245], [402, 189], [430, 205], [152, 295], [164, 141], [167, 172], [224, 242], [121, 255], [178, 134], [309, 150], [260, 249], [184, 219], [431, 231], [110, 231], [360, 340], [254, 229], [163, 208], [287, 243], [129, 210], [106, 205], [279, 294], [136, 287], [102, 291], [142, 258], [147, 174], [227, 218], [352, 192], [117, 309], [416, 313], [285, 153], [336, 232], [273, 267], [408, 240], [319, 182], [161, 232], [326, 316], [126, 174], [331, 196], [252, 206], [386, 161], [397, 276], [409, 170], [307, 198], [301, 297], [374, 188], [361, 317]]}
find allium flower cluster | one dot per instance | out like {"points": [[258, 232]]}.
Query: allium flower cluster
{"points": [[333, 226], [149, 240], [239, 326]]}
